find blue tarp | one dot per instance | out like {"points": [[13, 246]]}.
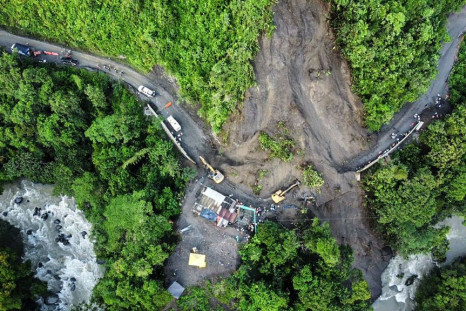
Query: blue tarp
{"points": [[209, 215]]}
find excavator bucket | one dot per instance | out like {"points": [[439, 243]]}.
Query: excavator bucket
{"points": [[277, 198], [279, 195]]}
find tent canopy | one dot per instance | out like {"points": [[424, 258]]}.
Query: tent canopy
{"points": [[176, 290], [197, 260]]}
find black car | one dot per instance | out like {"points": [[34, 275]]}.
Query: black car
{"points": [[69, 61]]}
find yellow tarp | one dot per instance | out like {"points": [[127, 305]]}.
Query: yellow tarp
{"points": [[197, 260]]}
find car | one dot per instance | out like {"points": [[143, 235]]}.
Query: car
{"points": [[146, 91], [69, 61]]}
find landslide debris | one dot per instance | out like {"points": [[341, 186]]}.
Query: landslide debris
{"points": [[303, 82]]}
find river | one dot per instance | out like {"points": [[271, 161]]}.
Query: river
{"points": [[57, 242], [396, 295]]}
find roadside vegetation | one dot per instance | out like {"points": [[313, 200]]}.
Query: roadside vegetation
{"points": [[443, 289], [207, 45], [283, 269], [89, 137], [426, 181], [393, 48]]}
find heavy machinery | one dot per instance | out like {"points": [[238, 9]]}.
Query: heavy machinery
{"points": [[214, 174], [279, 195]]}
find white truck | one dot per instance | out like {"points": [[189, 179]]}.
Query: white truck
{"points": [[146, 91], [174, 124]]}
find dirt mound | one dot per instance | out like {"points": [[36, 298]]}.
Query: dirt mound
{"points": [[303, 82]]}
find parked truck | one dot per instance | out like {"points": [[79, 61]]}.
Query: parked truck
{"points": [[146, 91], [22, 49]]}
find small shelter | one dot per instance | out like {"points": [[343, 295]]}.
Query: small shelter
{"points": [[197, 260], [176, 290]]}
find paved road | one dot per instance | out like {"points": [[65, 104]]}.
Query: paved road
{"points": [[401, 122]]}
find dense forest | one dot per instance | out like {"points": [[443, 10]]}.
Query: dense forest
{"points": [[426, 181], [393, 47], [443, 289], [283, 269], [17, 284], [207, 45], [89, 137]]}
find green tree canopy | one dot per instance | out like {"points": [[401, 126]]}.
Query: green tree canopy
{"points": [[443, 289]]}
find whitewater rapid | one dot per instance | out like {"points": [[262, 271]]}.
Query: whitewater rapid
{"points": [[57, 239], [396, 294]]}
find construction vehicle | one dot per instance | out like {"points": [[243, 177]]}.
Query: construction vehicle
{"points": [[214, 174], [279, 195]]}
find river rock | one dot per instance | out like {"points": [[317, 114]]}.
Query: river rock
{"points": [[56, 221], [73, 279], [72, 287], [44, 216], [29, 232], [51, 300], [410, 280], [57, 277], [58, 227], [84, 233], [36, 211], [18, 200], [5, 214]]}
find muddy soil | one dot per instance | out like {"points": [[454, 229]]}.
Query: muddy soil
{"points": [[220, 245], [303, 81]]}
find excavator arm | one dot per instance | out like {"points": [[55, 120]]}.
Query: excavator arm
{"points": [[206, 164]]}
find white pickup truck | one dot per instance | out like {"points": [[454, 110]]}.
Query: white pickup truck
{"points": [[146, 91]]}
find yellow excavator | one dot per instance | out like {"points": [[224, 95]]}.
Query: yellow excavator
{"points": [[279, 195], [214, 174]]}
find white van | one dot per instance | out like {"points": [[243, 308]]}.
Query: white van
{"points": [[146, 91], [174, 124]]}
